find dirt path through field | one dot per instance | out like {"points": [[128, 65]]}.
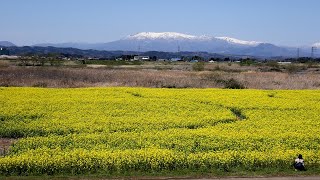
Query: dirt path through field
{"points": [[219, 178], [269, 178], [4, 145], [235, 178], [276, 178]]}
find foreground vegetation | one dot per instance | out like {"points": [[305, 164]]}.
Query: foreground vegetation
{"points": [[115, 131]]}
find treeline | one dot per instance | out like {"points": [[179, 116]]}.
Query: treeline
{"points": [[78, 54]]}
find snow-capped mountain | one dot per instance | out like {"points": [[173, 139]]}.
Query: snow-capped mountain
{"points": [[317, 45], [238, 41], [173, 42], [184, 37], [162, 35]]}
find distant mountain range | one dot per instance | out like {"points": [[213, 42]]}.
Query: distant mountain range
{"points": [[6, 44], [175, 42], [14, 50]]}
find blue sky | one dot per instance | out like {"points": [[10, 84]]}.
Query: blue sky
{"points": [[282, 22]]}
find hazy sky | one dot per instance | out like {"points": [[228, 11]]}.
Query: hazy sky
{"points": [[283, 22]]}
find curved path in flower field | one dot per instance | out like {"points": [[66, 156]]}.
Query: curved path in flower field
{"points": [[226, 178], [269, 178], [234, 178]]}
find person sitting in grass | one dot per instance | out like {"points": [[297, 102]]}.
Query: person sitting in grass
{"points": [[299, 163]]}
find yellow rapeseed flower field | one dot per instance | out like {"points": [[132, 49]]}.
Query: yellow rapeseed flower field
{"points": [[109, 130]]}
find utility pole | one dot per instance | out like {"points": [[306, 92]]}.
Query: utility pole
{"points": [[313, 50], [298, 53]]}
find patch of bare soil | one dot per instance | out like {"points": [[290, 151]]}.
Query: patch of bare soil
{"points": [[5, 143]]}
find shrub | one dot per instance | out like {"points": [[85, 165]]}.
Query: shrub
{"points": [[198, 66], [55, 62], [247, 62], [233, 84], [4, 84], [291, 68], [274, 66], [40, 84]]}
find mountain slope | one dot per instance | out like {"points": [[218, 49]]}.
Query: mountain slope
{"points": [[6, 43], [82, 46], [104, 54], [174, 42], [237, 41]]}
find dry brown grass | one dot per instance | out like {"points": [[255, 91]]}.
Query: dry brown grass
{"points": [[4, 63], [213, 77]]}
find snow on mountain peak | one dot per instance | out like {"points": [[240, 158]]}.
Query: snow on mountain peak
{"points": [[317, 45], [161, 35], [237, 41], [180, 36]]}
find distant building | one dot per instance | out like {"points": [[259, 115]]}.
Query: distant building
{"points": [[284, 62], [4, 51], [175, 59], [141, 58], [162, 60]]}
